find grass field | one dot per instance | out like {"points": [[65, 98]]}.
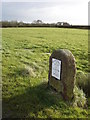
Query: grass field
{"points": [[25, 68]]}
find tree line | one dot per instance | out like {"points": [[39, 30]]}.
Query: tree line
{"points": [[40, 23], [35, 23]]}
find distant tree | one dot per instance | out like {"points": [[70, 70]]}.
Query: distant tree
{"points": [[62, 24], [66, 24], [5, 24], [37, 22], [58, 23], [20, 24], [0, 24], [14, 23]]}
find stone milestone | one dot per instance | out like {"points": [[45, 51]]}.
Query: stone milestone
{"points": [[62, 71]]}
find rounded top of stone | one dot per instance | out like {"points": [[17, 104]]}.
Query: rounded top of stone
{"points": [[64, 52]]}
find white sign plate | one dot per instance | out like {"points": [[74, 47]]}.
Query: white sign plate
{"points": [[56, 68]]}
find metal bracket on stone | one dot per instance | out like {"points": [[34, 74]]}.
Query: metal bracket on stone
{"points": [[62, 71]]}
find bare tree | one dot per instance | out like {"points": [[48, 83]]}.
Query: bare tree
{"points": [[37, 22]]}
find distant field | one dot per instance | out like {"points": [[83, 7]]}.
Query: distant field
{"points": [[25, 68]]}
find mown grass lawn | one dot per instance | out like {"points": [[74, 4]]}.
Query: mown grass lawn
{"points": [[25, 68]]}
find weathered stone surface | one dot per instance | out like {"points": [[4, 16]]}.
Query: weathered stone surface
{"points": [[68, 70]]}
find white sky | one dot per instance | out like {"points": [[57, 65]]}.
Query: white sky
{"points": [[71, 11]]}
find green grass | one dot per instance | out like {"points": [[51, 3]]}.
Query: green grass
{"points": [[25, 68]]}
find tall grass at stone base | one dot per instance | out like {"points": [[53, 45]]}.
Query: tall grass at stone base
{"points": [[83, 82], [80, 99], [82, 89]]}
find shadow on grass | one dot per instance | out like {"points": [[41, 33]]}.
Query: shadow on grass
{"points": [[31, 102]]}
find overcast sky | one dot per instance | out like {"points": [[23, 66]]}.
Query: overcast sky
{"points": [[71, 11]]}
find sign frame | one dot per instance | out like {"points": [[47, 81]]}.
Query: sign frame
{"points": [[56, 68]]}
